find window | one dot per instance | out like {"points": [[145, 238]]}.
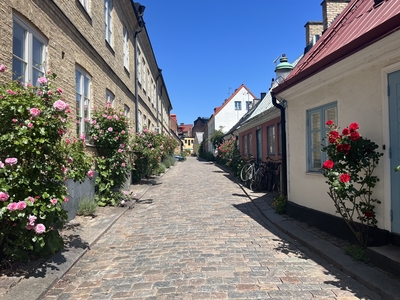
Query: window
{"points": [[110, 98], [271, 139], [107, 20], [250, 144], [316, 131], [85, 4], [29, 53], [126, 48], [83, 83], [238, 105], [126, 110], [248, 104]]}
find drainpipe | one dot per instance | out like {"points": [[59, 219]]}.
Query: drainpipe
{"points": [[139, 9], [283, 139], [158, 122]]}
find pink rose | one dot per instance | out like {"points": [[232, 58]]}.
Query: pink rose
{"points": [[14, 120], [60, 105], [109, 117], [11, 161], [110, 129], [1, 164], [59, 90], [31, 199], [53, 201], [4, 196], [21, 205], [123, 164], [34, 112], [40, 228], [42, 80], [30, 227], [2, 68], [30, 125], [32, 220], [82, 137], [90, 173], [66, 199], [12, 206]]}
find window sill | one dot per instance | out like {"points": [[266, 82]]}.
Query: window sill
{"points": [[110, 47]]}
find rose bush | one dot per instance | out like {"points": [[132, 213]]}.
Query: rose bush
{"points": [[228, 154], [33, 121], [110, 133], [349, 172]]}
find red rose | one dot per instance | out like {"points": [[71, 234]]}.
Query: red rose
{"points": [[339, 147], [328, 164], [345, 131], [353, 126], [346, 148], [329, 122], [334, 134], [368, 214], [344, 178], [354, 136]]}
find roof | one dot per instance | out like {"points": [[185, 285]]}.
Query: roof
{"points": [[185, 127], [361, 24], [218, 109]]}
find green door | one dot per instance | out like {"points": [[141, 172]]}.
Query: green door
{"points": [[394, 123]]}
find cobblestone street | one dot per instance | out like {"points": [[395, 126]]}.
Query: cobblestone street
{"points": [[196, 235]]}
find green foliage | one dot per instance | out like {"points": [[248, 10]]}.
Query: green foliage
{"points": [[228, 154], [33, 163], [149, 149], [217, 137], [279, 204], [349, 172], [109, 132], [208, 156], [87, 207], [358, 253]]}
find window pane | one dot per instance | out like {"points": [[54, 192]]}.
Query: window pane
{"points": [[86, 87], [18, 68], [316, 121], [316, 140], [19, 35], [316, 159], [330, 114], [37, 54], [35, 75]]}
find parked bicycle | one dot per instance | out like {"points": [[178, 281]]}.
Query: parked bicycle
{"points": [[267, 176], [248, 171]]}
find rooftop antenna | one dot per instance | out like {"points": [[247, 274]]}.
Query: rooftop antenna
{"points": [[276, 59]]}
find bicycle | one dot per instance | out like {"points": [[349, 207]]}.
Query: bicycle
{"points": [[248, 170], [273, 174]]}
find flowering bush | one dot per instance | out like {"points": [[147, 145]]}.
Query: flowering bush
{"points": [[352, 161], [149, 149], [109, 132], [228, 154], [33, 121]]}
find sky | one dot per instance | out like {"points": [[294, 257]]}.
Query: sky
{"points": [[208, 48]]}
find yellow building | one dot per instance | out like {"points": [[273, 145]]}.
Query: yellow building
{"points": [[188, 144]]}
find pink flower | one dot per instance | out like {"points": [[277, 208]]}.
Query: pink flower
{"points": [[122, 202], [119, 150], [2, 68], [60, 105], [104, 116], [21, 205], [66, 199], [10, 92], [116, 117], [70, 160], [11, 161], [32, 220], [31, 199], [34, 112], [29, 227], [53, 201], [1, 164], [110, 129], [59, 90], [122, 131], [93, 122], [30, 125], [12, 206], [123, 164], [42, 80], [109, 117], [14, 120], [4, 196], [95, 137], [90, 173], [40, 228], [82, 137]]}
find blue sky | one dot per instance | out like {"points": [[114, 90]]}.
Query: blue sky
{"points": [[208, 48]]}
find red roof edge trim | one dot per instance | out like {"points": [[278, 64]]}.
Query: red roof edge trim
{"points": [[351, 48]]}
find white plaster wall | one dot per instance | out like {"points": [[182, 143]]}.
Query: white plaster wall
{"points": [[358, 84]]}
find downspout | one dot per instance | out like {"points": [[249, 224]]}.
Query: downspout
{"points": [[158, 122], [283, 139]]}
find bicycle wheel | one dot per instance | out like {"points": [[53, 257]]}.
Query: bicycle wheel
{"points": [[256, 182], [245, 172], [277, 180]]}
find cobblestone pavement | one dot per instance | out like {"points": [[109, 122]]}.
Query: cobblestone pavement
{"points": [[196, 235]]}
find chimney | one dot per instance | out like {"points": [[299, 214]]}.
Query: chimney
{"points": [[331, 9], [313, 31], [263, 94]]}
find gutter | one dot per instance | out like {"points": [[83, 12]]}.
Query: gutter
{"points": [[283, 139]]}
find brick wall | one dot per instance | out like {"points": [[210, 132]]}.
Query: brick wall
{"points": [[331, 9], [313, 28]]}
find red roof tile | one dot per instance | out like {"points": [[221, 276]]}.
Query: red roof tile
{"points": [[358, 26]]}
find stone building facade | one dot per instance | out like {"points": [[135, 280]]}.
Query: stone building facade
{"points": [[90, 45]]}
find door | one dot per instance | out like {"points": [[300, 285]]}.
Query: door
{"points": [[394, 123]]}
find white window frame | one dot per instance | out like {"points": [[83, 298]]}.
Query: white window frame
{"points": [[126, 110], [108, 21], [314, 147], [126, 47], [30, 35], [248, 105], [85, 4], [238, 105], [110, 97], [81, 92]]}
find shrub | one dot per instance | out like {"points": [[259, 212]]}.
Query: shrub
{"points": [[349, 172], [279, 204], [109, 132], [33, 162], [87, 207]]}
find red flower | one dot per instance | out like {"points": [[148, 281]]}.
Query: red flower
{"points": [[345, 131], [344, 178], [339, 147], [353, 126], [346, 148], [329, 122], [368, 214], [355, 136], [328, 164]]}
